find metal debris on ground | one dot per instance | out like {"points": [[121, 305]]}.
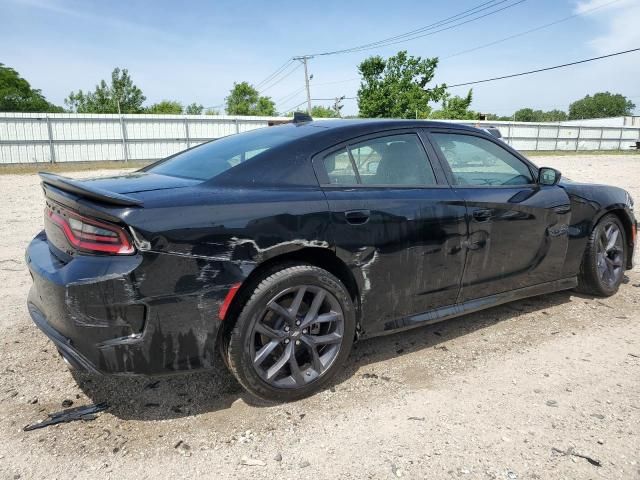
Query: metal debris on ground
{"points": [[571, 452], [86, 412]]}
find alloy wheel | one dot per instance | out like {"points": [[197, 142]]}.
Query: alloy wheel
{"points": [[609, 254], [297, 337]]}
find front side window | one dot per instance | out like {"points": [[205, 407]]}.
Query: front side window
{"points": [[477, 161], [390, 160]]}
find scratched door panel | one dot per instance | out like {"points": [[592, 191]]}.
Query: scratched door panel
{"points": [[520, 238], [408, 257]]}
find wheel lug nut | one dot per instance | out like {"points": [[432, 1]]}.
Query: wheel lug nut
{"points": [[304, 331], [297, 322], [286, 329], [297, 342], [286, 340]]}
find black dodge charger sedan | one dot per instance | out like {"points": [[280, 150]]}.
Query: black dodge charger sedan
{"points": [[278, 248]]}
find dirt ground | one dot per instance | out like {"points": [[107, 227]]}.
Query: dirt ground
{"points": [[545, 388]]}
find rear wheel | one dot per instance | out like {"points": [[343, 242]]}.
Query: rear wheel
{"points": [[603, 264], [293, 334]]}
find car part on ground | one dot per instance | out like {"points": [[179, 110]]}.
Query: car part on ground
{"points": [[85, 413]]}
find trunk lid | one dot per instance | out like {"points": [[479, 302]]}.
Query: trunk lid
{"points": [[138, 182]]}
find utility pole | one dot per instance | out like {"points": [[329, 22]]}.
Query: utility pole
{"points": [[337, 105], [306, 80]]}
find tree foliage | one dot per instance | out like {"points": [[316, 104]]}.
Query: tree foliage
{"points": [[194, 109], [17, 95], [107, 98], [167, 107], [396, 87], [456, 108], [531, 115], [244, 99], [319, 111], [601, 105]]}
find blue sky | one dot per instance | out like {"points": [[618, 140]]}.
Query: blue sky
{"points": [[195, 50]]}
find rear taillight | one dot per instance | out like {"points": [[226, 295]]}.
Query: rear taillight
{"points": [[89, 234]]}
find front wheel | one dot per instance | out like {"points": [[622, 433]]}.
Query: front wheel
{"points": [[293, 334], [604, 259]]}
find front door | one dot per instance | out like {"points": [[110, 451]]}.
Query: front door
{"points": [[396, 223], [517, 228]]}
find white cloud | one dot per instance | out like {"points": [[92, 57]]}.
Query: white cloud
{"points": [[616, 22]]}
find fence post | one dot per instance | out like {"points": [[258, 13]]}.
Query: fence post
{"points": [[235, 120], [123, 131], [555, 146], [620, 139], [186, 132], [578, 138], [52, 150], [537, 137]]}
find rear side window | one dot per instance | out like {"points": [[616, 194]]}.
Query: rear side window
{"points": [[213, 158], [478, 161], [390, 160], [340, 168]]}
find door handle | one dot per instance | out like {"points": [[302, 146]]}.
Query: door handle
{"points": [[357, 217], [482, 214]]}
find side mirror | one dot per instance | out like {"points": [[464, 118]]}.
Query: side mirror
{"points": [[548, 176]]}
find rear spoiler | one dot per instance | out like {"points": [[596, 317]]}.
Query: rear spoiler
{"points": [[74, 186]]}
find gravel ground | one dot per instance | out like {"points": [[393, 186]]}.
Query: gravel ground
{"points": [[544, 388]]}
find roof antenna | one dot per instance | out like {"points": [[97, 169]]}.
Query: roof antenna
{"points": [[301, 117]]}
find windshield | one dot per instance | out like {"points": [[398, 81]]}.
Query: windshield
{"points": [[211, 159]]}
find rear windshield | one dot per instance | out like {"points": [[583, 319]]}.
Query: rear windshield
{"points": [[211, 159]]}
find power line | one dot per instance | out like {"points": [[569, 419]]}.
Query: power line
{"points": [[544, 69], [510, 37], [535, 29], [295, 106], [274, 74], [264, 89], [289, 96], [412, 32], [317, 100], [417, 33]]}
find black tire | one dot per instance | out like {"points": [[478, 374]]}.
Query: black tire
{"points": [[604, 261], [264, 325]]}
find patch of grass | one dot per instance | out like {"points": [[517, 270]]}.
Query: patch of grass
{"points": [[27, 168], [570, 153]]}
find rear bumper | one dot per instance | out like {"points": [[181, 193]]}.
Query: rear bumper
{"points": [[64, 344], [145, 314]]}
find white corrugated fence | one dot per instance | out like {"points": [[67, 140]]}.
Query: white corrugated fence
{"points": [[66, 137]]}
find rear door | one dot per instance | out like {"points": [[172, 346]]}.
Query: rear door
{"points": [[517, 228], [396, 223]]}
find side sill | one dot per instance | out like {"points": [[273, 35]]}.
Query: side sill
{"points": [[470, 306]]}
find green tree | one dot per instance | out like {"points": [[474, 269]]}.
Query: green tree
{"points": [[245, 100], [211, 111], [120, 95], [601, 105], [456, 108], [166, 107], [194, 109], [396, 87], [17, 95], [528, 115], [555, 116], [318, 111]]}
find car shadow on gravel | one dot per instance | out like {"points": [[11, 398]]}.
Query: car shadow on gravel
{"points": [[176, 396]]}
